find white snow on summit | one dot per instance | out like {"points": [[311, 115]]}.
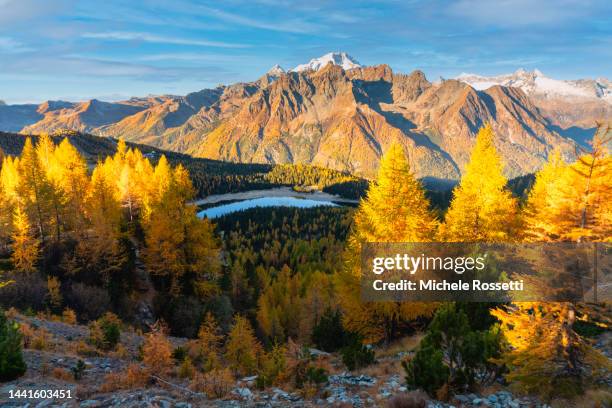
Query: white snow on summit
{"points": [[337, 58], [276, 70], [536, 83]]}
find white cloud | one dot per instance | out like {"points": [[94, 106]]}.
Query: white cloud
{"points": [[9, 45], [153, 38], [291, 25]]}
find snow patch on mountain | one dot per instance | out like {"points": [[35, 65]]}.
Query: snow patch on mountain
{"points": [[276, 70], [341, 59], [538, 84]]}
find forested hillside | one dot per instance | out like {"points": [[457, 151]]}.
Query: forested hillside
{"points": [[117, 246], [208, 176]]}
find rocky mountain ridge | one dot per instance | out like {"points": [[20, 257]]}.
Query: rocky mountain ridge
{"points": [[572, 106], [341, 118]]}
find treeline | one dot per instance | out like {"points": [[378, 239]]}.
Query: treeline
{"points": [[208, 176], [88, 240]]}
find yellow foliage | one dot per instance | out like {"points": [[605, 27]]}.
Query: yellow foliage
{"points": [[394, 210], [544, 355], [134, 377], [69, 316], [242, 350], [62, 374], [573, 202], [205, 349], [54, 294], [26, 248], [216, 383], [157, 353], [482, 209], [178, 242], [186, 369]]}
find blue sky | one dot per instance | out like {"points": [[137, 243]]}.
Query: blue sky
{"points": [[111, 50]]}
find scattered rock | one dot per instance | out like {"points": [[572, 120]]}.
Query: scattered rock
{"points": [[348, 379], [243, 392]]}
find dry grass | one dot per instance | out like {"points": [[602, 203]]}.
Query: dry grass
{"points": [[120, 352], [409, 343], [134, 377], [383, 368], [594, 398], [37, 339], [62, 374], [84, 349], [414, 399]]}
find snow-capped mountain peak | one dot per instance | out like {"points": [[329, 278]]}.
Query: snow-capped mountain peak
{"points": [[537, 84], [276, 70], [341, 59]]}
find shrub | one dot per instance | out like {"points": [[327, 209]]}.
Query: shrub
{"points": [[452, 353], [12, 365], [273, 367], [78, 370], [328, 334], [301, 368], [216, 383], [61, 374], [357, 355], [426, 370], [112, 382], [179, 354], [85, 349], [186, 369], [316, 375], [42, 340], [105, 332], [134, 377], [157, 353], [69, 316]]}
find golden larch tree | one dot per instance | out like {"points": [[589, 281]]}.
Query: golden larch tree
{"points": [[26, 247], [482, 209], [395, 209], [242, 349], [34, 190], [567, 203]]}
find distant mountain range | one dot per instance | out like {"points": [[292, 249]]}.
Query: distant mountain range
{"points": [[571, 106], [336, 113]]}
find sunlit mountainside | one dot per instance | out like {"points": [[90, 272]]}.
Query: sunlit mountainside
{"points": [[335, 113]]}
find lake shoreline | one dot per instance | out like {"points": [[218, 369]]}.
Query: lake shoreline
{"points": [[273, 192]]}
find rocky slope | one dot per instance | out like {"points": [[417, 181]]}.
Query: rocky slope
{"points": [[50, 368], [333, 112], [572, 106], [347, 119]]}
